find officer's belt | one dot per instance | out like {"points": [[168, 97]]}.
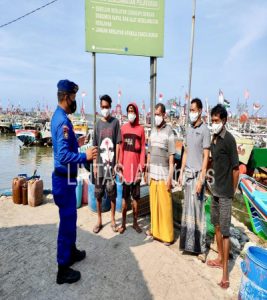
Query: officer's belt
{"points": [[65, 175]]}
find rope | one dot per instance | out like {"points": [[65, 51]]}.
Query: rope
{"points": [[29, 13]]}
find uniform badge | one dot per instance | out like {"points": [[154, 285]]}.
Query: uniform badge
{"points": [[66, 132]]}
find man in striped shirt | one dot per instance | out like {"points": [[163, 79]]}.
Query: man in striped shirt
{"points": [[160, 164]]}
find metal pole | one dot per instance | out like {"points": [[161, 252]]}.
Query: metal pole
{"points": [[94, 86], [191, 59], [153, 87]]}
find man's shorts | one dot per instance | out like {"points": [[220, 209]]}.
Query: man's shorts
{"points": [[131, 190], [221, 211], [102, 185]]}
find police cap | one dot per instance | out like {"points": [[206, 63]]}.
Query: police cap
{"points": [[67, 86]]}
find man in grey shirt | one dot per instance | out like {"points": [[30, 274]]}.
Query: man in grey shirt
{"points": [[193, 173], [160, 161]]}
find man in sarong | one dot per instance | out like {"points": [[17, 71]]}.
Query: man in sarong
{"points": [[192, 175], [160, 163]]}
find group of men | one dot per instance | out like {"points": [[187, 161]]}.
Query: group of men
{"points": [[119, 154]]}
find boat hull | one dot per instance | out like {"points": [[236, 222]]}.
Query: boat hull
{"points": [[255, 198], [27, 136]]}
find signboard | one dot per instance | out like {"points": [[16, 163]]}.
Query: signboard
{"points": [[129, 27]]}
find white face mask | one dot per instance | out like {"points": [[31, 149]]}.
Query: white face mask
{"points": [[131, 117], [105, 112], [193, 116], [216, 128], [158, 120]]}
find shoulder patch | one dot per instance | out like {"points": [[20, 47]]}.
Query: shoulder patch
{"points": [[65, 132]]}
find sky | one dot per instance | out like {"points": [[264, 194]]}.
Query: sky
{"points": [[229, 54]]}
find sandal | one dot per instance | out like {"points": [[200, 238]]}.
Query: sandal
{"points": [[202, 257], [137, 228], [97, 228], [224, 284], [114, 227], [148, 233], [213, 263], [167, 244], [121, 229]]}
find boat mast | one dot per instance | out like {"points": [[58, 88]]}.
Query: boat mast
{"points": [[191, 59]]}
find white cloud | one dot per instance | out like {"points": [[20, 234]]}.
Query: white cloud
{"points": [[252, 26]]}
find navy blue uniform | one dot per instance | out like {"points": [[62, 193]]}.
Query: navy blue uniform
{"points": [[64, 182]]}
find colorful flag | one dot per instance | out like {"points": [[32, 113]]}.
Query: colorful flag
{"points": [[119, 93], [226, 103], [82, 110], [160, 97], [221, 97], [143, 106], [246, 94], [174, 105], [256, 106]]}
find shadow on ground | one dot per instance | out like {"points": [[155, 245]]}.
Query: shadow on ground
{"points": [[110, 270]]}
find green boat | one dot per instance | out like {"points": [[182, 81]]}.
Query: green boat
{"points": [[255, 198]]}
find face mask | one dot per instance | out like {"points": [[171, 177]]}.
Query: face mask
{"points": [[193, 116], [158, 120], [72, 105], [131, 117], [105, 112], [216, 128]]}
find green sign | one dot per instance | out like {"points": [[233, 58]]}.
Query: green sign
{"points": [[129, 27]]}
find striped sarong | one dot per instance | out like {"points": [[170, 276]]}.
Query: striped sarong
{"points": [[193, 225]]}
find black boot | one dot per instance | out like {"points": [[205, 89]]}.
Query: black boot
{"points": [[67, 275], [76, 255]]}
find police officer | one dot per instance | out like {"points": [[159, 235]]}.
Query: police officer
{"points": [[66, 160]]}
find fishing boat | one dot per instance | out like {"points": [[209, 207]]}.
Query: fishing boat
{"points": [[5, 125], [30, 133], [27, 136], [16, 125], [80, 127], [46, 137], [255, 197]]}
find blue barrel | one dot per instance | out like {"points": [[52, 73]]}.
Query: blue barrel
{"points": [[92, 200], [79, 192], [254, 279], [119, 195]]}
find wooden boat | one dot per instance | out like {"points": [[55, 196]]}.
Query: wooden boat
{"points": [[46, 136], [80, 127], [5, 125], [27, 136], [255, 197]]}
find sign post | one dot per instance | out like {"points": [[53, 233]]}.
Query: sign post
{"points": [[94, 85], [126, 27], [153, 87]]}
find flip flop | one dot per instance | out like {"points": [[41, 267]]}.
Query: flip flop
{"points": [[148, 233], [202, 257], [97, 228], [114, 227], [137, 229], [213, 263], [224, 284], [167, 244], [121, 229]]}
